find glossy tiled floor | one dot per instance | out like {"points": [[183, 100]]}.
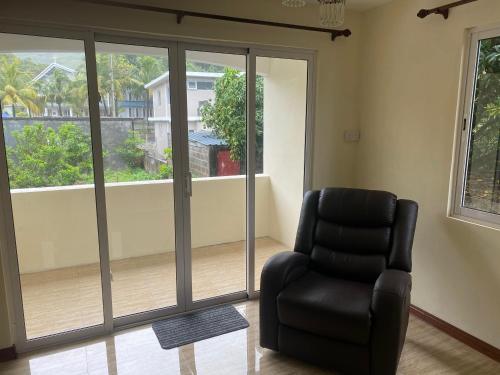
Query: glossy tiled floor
{"points": [[136, 351], [70, 298]]}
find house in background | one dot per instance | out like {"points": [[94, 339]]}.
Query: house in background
{"points": [[43, 78], [130, 106], [200, 90], [51, 68]]}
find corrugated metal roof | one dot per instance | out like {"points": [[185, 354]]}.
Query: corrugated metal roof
{"points": [[206, 138]]}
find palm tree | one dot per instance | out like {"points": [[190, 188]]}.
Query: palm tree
{"points": [[114, 75], [78, 95], [146, 68], [14, 86], [58, 88]]}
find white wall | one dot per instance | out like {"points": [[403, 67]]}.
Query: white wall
{"points": [[194, 96], [56, 227], [410, 93], [285, 89], [161, 100]]}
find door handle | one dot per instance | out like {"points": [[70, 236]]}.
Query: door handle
{"points": [[188, 177]]}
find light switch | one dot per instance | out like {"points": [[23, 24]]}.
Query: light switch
{"points": [[352, 135]]}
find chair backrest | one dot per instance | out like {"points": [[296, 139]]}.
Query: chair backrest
{"points": [[356, 234]]}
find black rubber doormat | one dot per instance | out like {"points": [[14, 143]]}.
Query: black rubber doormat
{"points": [[197, 326]]}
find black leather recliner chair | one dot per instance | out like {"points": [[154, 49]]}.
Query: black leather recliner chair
{"points": [[341, 298]]}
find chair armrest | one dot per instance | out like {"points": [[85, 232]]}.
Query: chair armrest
{"points": [[391, 285], [280, 270], [390, 310]]}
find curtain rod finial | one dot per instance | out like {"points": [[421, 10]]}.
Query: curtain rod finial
{"points": [[336, 33], [423, 13]]}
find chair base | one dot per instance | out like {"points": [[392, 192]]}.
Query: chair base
{"points": [[321, 351]]}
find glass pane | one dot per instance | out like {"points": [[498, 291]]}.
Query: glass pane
{"points": [[43, 89], [280, 145], [482, 188], [138, 170], [217, 154]]}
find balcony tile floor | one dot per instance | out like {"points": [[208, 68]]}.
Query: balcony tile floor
{"points": [[70, 298]]}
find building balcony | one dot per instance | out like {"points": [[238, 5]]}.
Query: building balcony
{"points": [[59, 259]]}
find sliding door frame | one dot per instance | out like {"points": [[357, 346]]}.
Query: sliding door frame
{"points": [[178, 180], [310, 58], [21, 340], [251, 138], [188, 258], [177, 47], [278, 53]]}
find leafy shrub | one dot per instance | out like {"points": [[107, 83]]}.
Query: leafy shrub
{"points": [[43, 156], [131, 151], [126, 175], [166, 170]]}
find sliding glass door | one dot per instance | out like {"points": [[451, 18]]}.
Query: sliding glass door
{"points": [[48, 148], [135, 109], [125, 184], [216, 126]]}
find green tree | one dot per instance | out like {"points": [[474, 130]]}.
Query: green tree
{"points": [[484, 157], [57, 88], [78, 93], [194, 66], [487, 103], [226, 116], [114, 74], [15, 89], [146, 68], [43, 156]]}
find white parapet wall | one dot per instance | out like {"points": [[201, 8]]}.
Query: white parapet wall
{"points": [[56, 227]]}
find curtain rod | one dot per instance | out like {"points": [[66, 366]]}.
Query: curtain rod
{"points": [[183, 13], [443, 10]]}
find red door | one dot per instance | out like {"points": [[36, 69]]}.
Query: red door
{"points": [[226, 166]]}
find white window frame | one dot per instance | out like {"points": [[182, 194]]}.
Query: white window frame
{"points": [[464, 127]]}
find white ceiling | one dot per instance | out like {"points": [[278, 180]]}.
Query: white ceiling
{"points": [[360, 5]]}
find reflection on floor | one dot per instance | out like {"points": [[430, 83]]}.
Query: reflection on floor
{"points": [[137, 351], [70, 298]]}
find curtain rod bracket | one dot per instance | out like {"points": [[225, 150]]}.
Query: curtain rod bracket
{"points": [[180, 17]]}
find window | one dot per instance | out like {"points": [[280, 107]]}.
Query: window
{"points": [[205, 85], [191, 85], [478, 177], [159, 97]]}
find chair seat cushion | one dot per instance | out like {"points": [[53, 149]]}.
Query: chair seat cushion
{"points": [[326, 306]]}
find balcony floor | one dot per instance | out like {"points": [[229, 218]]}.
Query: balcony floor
{"points": [[70, 298]]}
